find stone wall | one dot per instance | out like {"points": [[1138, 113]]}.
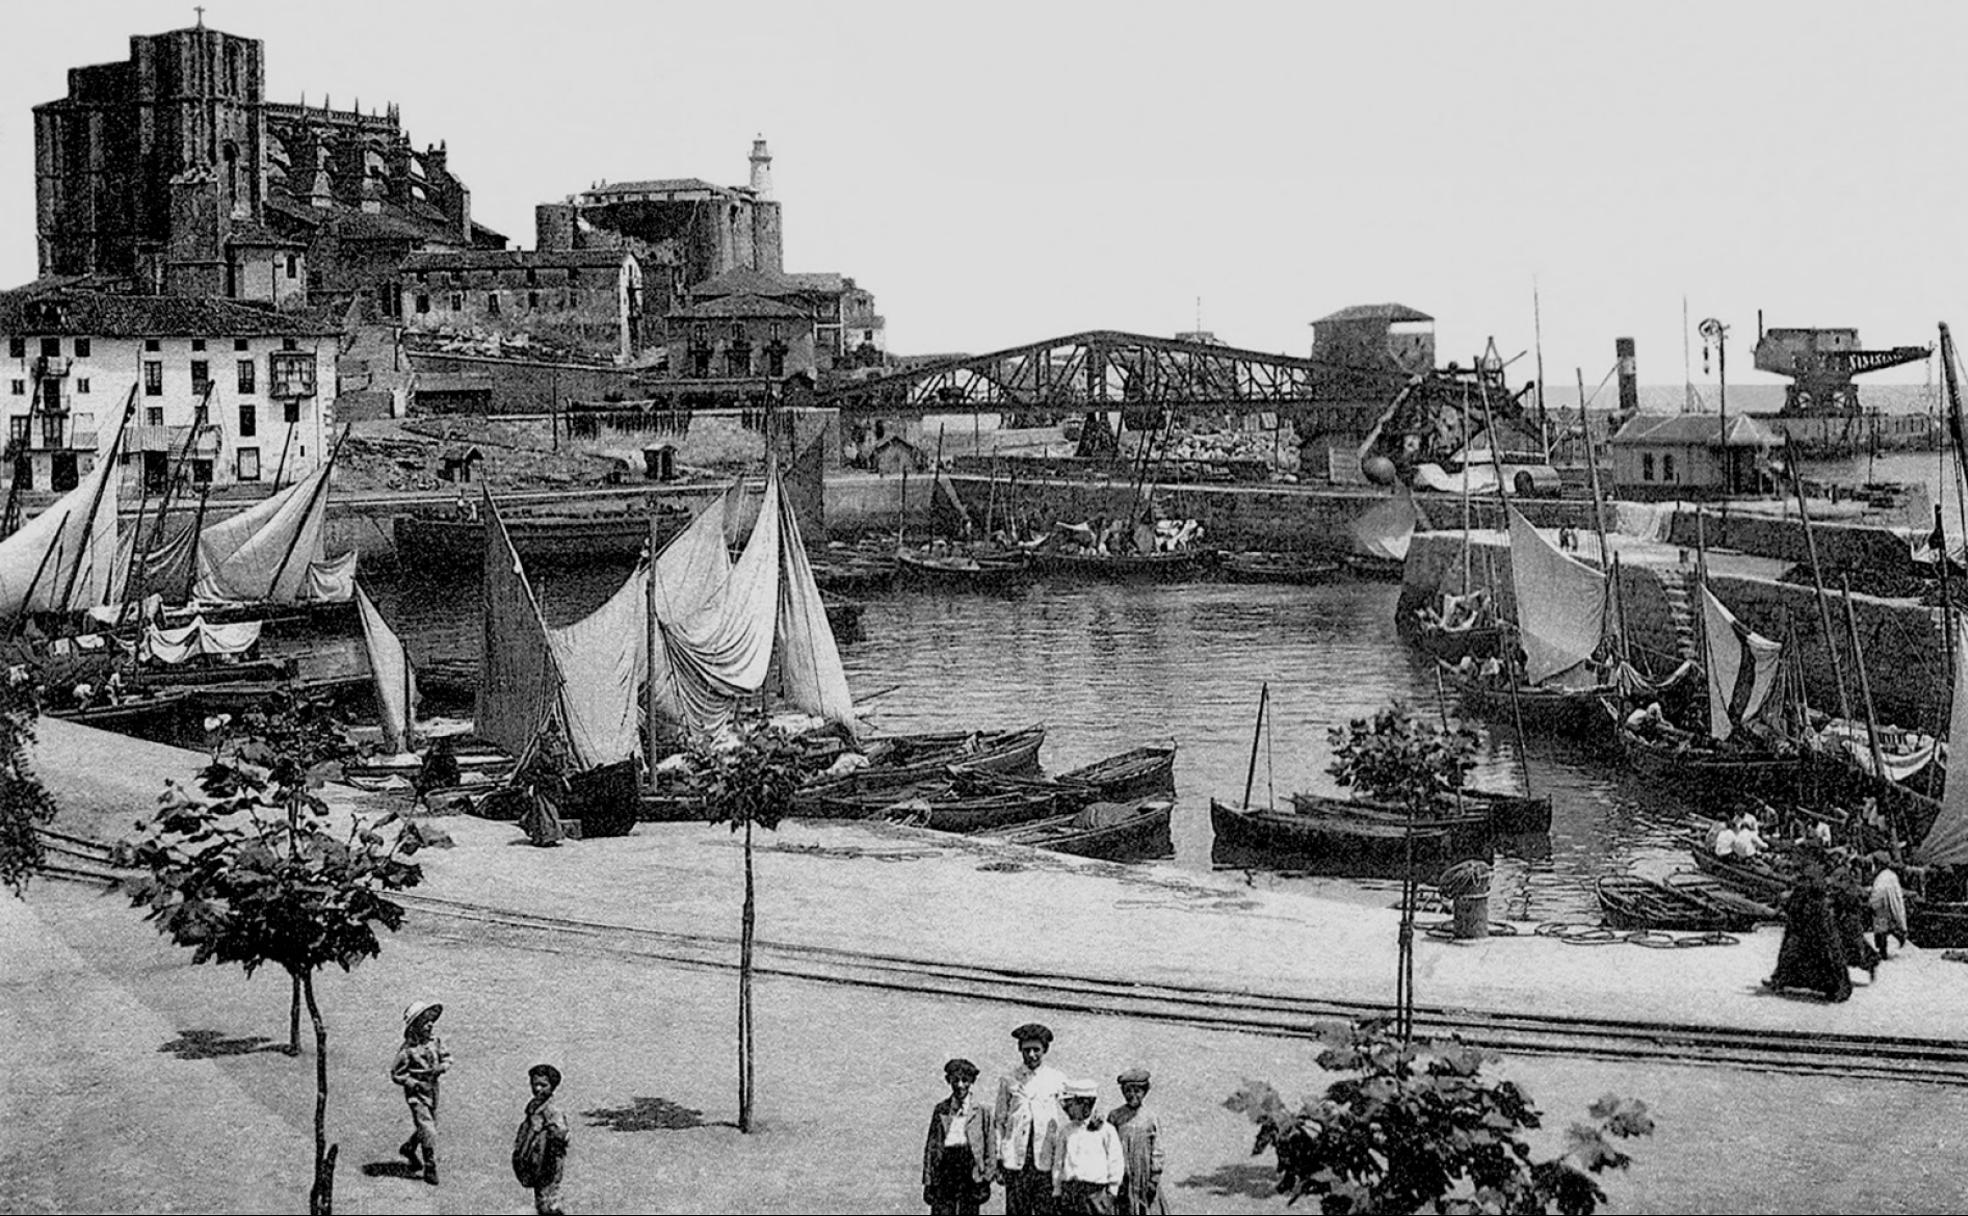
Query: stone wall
{"points": [[1840, 546]]}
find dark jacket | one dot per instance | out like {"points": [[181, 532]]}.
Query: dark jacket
{"points": [[977, 1130]]}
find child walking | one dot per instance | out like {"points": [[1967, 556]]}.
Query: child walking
{"points": [[419, 1063], [540, 1148]]}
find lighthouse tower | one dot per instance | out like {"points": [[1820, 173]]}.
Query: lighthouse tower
{"points": [[761, 169]]}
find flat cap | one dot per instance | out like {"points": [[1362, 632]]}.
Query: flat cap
{"points": [[1133, 1076], [960, 1069], [1033, 1030], [1081, 1089]]}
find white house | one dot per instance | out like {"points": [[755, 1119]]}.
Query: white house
{"points": [[258, 385]]}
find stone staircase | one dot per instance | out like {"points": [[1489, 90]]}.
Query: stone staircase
{"points": [[1681, 612]]}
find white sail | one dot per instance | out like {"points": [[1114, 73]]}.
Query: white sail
{"points": [[603, 660], [396, 679], [64, 559], [1742, 668], [1561, 603], [1386, 528], [1946, 843], [274, 550]]}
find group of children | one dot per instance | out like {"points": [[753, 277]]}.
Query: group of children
{"points": [[539, 1148], [1043, 1141]]}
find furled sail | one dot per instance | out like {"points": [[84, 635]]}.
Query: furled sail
{"points": [[1742, 668], [1386, 528], [1561, 603], [1947, 840], [518, 680], [197, 639], [269, 550], [396, 680]]}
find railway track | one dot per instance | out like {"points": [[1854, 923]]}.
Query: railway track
{"points": [[1881, 1057]]}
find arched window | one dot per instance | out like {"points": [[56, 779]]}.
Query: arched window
{"points": [[1667, 467], [231, 155], [1646, 466]]}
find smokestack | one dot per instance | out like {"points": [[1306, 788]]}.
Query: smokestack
{"points": [[1629, 379]]}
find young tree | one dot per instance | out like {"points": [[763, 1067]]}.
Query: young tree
{"points": [[753, 777], [1415, 1126], [24, 801], [1400, 757], [252, 870]]}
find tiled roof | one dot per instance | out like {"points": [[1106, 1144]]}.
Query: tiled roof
{"points": [[1744, 431], [744, 281], [1376, 312], [825, 281], [514, 259], [727, 307], [658, 185], [53, 310]]}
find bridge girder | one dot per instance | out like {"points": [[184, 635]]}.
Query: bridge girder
{"points": [[1110, 369]]}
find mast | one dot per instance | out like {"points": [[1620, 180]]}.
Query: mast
{"points": [[1503, 504], [1606, 562], [89, 542], [1537, 331], [1257, 736], [1817, 582], [1701, 624], [23, 462], [320, 489], [1466, 444], [1865, 688], [27, 600]]}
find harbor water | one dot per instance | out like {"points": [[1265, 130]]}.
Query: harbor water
{"points": [[1109, 667]]}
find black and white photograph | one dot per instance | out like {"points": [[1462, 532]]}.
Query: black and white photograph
{"points": [[1028, 608]]}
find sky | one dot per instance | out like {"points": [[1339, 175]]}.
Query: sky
{"points": [[998, 174]]}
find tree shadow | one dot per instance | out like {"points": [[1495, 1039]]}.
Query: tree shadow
{"points": [[649, 1115], [211, 1044], [391, 1169], [1254, 1181]]}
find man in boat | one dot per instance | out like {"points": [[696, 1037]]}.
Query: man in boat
{"points": [[1023, 1119]]}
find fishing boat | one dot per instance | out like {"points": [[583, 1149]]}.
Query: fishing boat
{"points": [[1295, 568], [1543, 708], [1341, 845], [912, 760], [960, 569], [1760, 878], [1160, 567], [1704, 769], [851, 570], [945, 808], [543, 539], [1469, 829], [1630, 901], [1142, 772], [1451, 645], [1108, 830]]}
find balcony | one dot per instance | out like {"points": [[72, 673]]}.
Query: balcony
{"points": [[52, 366]]}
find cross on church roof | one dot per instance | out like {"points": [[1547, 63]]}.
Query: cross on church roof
{"points": [[200, 10]]}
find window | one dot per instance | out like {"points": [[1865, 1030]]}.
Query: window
{"points": [[198, 344], [153, 378], [249, 421], [423, 276], [82, 384], [153, 415], [573, 274], [1667, 467], [492, 303], [290, 412], [150, 344], [201, 472], [289, 344], [20, 388], [201, 414], [201, 375], [423, 303], [532, 276], [17, 431], [246, 376], [51, 430], [457, 301], [241, 344], [17, 348], [290, 374], [51, 348], [1646, 466], [293, 266], [249, 464], [81, 348], [532, 299]]}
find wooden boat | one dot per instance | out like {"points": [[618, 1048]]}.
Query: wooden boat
{"points": [[851, 570], [1015, 752], [1502, 814], [162, 715], [1573, 712], [1329, 844], [1140, 773], [911, 760], [1378, 569], [1758, 877], [1709, 771], [960, 570], [1110, 830], [1452, 645], [539, 539], [944, 808], [379, 771], [1629, 901], [1935, 925], [1297, 568], [1469, 830], [1168, 567]]}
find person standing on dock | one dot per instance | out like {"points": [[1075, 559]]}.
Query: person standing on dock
{"points": [[1141, 1147], [1812, 954], [957, 1156], [1888, 901], [1027, 1110], [1087, 1162], [540, 1147]]}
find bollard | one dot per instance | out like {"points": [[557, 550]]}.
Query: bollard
{"points": [[1472, 916]]}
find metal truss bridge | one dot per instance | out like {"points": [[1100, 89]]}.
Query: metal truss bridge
{"points": [[1106, 369]]}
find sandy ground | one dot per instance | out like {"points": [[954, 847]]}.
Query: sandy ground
{"points": [[137, 1082]]}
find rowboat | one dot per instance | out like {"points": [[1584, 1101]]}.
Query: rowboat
{"points": [[1140, 773], [1757, 877], [1295, 568], [1167, 567], [1379, 569], [851, 570], [911, 760], [1629, 901], [1111, 830], [1504, 814], [1573, 712], [1706, 769], [1452, 645], [1469, 830], [944, 808], [960, 570], [1264, 836], [570, 538]]}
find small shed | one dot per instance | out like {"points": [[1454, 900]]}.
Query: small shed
{"points": [[894, 454], [457, 463], [659, 462], [1691, 456]]}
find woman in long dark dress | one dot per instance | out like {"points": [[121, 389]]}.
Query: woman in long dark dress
{"points": [[1812, 955]]}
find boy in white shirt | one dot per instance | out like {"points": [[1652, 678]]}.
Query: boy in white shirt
{"points": [[1087, 1160]]}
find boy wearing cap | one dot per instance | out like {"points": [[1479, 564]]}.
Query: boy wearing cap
{"points": [[1087, 1162], [1022, 1121], [1141, 1146], [957, 1156], [540, 1148], [419, 1063]]}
